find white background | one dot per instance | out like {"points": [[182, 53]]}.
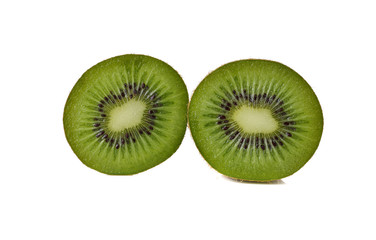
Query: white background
{"points": [[47, 193]]}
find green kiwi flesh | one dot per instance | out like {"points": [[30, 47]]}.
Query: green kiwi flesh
{"points": [[255, 120], [126, 114]]}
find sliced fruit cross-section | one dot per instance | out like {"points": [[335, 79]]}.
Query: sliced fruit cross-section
{"points": [[126, 114], [255, 120]]}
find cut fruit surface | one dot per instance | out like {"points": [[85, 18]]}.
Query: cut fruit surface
{"points": [[126, 114], [255, 120]]}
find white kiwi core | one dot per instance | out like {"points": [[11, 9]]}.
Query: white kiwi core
{"points": [[127, 115], [255, 120]]}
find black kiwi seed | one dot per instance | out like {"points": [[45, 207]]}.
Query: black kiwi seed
{"points": [[99, 134]]}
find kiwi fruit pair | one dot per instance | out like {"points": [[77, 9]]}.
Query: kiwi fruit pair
{"points": [[253, 120]]}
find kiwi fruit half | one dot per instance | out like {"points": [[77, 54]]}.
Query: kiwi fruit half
{"points": [[255, 120], [126, 114]]}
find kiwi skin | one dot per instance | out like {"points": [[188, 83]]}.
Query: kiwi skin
{"points": [[197, 106], [73, 115]]}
